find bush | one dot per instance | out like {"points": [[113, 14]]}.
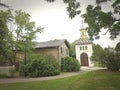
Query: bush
{"points": [[107, 58], [11, 72], [113, 62], [69, 64], [3, 75], [40, 65]]}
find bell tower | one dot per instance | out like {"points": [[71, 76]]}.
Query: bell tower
{"points": [[83, 33], [83, 47]]}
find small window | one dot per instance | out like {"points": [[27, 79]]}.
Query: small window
{"points": [[61, 50], [86, 47], [67, 51], [80, 48], [83, 47]]}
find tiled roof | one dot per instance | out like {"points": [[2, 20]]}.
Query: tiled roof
{"points": [[82, 41], [51, 43]]}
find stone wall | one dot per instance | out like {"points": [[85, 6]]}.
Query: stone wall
{"points": [[48, 51], [5, 69]]}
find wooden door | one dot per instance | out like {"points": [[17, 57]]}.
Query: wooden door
{"points": [[84, 59]]}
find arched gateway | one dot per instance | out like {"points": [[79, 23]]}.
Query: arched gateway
{"points": [[84, 59]]}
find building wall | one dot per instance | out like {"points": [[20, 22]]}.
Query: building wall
{"points": [[63, 51], [48, 51], [20, 56], [88, 51], [56, 52]]}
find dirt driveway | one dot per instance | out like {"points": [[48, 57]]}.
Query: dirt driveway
{"points": [[15, 80]]}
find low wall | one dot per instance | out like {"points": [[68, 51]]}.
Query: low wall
{"points": [[5, 69]]}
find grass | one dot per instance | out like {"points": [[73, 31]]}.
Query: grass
{"points": [[95, 80]]}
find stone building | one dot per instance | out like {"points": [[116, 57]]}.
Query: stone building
{"points": [[83, 47], [55, 48]]}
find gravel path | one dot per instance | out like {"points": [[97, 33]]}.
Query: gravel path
{"points": [[15, 80]]}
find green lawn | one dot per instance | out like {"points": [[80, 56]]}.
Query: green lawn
{"points": [[95, 80]]}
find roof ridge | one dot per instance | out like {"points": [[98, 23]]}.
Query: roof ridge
{"points": [[50, 43]]}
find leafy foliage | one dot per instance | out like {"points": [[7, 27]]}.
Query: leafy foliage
{"points": [[24, 32], [72, 50], [106, 57], [5, 37], [69, 64], [50, 0], [40, 65], [11, 72], [117, 48], [4, 5], [98, 53], [113, 62], [16, 30], [96, 17], [73, 7]]}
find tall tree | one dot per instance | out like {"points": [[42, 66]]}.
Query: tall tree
{"points": [[98, 53], [18, 38], [4, 5], [117, 48], [73, 7], [106, 57], [5, 36], [72, 50], [24, 32], [96, 17]]}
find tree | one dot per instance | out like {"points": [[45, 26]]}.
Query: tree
{"points": [[72, 50], [117, 48], [4, 5], [96, 17], [98, 53], [5, 37], [23, 33], [73, 7], [106, 57]]}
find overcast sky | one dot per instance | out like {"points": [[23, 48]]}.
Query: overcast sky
{"points": [[54, 18]]}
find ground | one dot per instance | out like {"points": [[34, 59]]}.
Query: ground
{"points": [[83, 70]]}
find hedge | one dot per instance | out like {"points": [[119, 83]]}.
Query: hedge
{"points": [[40, 65], [69, 64]]}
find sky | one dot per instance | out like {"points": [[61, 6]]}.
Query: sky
{"points": [[55, 20]]}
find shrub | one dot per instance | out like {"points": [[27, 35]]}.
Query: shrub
{"points": [[7, 72], [11, 72], [69, 64], [40, 65], [3, 75], [107, 58], [113, 62]]}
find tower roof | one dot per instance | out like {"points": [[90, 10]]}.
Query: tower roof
{"points": [[82, 41]]}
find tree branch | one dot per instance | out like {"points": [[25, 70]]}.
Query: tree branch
{"points": [[105, 32], [116, 19], [4, 5]]}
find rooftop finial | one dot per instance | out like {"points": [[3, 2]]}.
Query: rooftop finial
{"points": [[82, 24]]}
